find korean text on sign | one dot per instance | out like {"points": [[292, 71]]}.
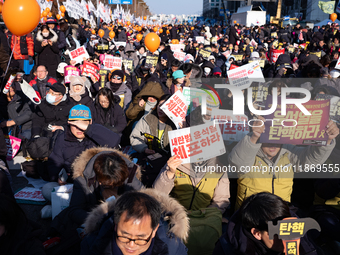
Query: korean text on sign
{"points": [[197, 143], [111, 62], [175, 108], [306, 129], [79, 54], [233, 127], [90, 69], [70, 71]]}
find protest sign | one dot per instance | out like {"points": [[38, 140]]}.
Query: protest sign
{"points": [[193, 98], [13, 146], [317, 53], [177, 47], [110, 62], [273, 34], [259, 93], [262, 62], [238, 57], [245, 75], [291, 49], [253, 43], [226, 53], [199, 39], [70, 71], [120, 44], [90, 69], [308, 129], [233, 127], [180, 55], [128, 65], [29, 193], [79, 54], [197, 143], [176, 108], [334, 111], [103, 77], [337, 66], [204, 53], [151, 61], [274, 55], [102, 47]]}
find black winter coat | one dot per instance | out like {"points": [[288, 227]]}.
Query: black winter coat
{"points": [[85, 99], [46, 114], [233, 36], [238, 240], [67, 147], [113, 118], [49, 54]]}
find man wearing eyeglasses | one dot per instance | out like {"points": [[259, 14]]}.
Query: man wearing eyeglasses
{"points": [[134, 226]]}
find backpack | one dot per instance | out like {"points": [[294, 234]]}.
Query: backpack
{"points": [[205, 230]]}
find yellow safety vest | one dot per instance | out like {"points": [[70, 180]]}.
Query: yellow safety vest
{"points": [[255, 182], [198, 196]]}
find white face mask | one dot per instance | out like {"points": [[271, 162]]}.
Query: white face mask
{"points": [[45, 34]]}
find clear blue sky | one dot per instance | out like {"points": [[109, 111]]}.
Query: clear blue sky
{"points": [[175, 6]]}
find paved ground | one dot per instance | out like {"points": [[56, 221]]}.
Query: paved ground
{"points": [[32, 211]]}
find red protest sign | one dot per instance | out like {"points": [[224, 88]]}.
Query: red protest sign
{"points": [[175, 108], [274, 54], [89, 69]]}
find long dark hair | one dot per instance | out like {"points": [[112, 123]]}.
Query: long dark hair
{"points": [[106, 92]]}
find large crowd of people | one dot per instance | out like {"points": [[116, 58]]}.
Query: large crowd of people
{"points": [[99, 134]]}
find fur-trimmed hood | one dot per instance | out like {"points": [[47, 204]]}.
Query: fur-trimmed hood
{"points": [[54, 37], [80, 163], [179, 221]]}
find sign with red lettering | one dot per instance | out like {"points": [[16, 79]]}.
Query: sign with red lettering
{"points": [[90, 69], [243, 76], [29, 193], [110, 62], [70, 71], [180, 55], [79, 54], [197, 143], [175, 108], [274, 55], [177, 47], [233, 127]]}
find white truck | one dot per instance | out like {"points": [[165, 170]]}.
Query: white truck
{"points": [[248, 16]]}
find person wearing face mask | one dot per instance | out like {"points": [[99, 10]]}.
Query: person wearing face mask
{"points": [[53, 110], [118, 87], [42, 81], [46, 45], [78, 92], [107, 111]]}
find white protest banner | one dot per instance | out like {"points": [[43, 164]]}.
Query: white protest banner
{"points": [[233, 127], [177, 47], [180, 55], [337, 66], [226, 53], [110, 62], [120, 44], [79, 54], [31, 194], [200, 39], [176, 108], [253, 43], [197, 143], [244, 75], [92, 8]]}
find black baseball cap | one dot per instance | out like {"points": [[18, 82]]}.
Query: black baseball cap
{"points": [[58, 87]]}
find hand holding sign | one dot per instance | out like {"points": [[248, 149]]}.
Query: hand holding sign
{"points": [[173, 163], [332, 131], [258, 129]]}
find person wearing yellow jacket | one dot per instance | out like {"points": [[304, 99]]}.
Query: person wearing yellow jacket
{"points": [[248, 152]]}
